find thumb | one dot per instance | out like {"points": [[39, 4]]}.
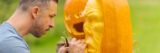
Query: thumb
{"points": [[63, 50]]}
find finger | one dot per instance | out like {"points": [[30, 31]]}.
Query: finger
{"points": [[73, 39], [83, 41], [83, 46], [78, 42], [62, 50]]}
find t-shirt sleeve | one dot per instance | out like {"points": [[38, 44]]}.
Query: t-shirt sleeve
{"points": [[13, 45]]}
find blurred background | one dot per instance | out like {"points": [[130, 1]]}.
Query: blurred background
{"points": [[145, 17]]}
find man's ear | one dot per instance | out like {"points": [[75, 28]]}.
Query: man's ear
{"points": [[35, 12]]}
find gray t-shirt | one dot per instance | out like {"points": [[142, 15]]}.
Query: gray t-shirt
{"points": [[11, 41]]}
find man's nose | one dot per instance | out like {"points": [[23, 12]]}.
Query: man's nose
{"points": [[51, 25]]}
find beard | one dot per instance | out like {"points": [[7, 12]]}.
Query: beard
{"points": [[37, 29]]}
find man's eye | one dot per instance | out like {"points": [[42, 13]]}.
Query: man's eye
{"points": [[51, 16]]}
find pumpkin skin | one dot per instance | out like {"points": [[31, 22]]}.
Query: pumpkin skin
{"points": [[107, 25], [73, 17], [117, 27], [93, 26]]}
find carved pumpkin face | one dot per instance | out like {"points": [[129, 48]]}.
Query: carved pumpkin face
{"points": [[105, 24], [73, 17]]}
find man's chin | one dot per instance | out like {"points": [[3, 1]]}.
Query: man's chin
{"points": [[38, 35]]}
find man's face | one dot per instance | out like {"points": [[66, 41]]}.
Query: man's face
{"points": [[44, 21]]}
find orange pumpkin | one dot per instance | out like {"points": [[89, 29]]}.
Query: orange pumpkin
{"points": [[73, 17], [117, 27], [93, 26], [104, 24]]}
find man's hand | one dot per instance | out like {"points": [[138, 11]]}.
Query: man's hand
{"points": [[63, 50], [75, 46]]}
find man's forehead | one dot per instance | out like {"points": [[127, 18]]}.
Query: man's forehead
{"points": [[53, 6]]}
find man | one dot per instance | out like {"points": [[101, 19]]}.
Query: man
{"points": [[35, 17]]}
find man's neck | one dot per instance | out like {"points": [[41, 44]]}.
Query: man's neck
{"points": [[21, 22]]}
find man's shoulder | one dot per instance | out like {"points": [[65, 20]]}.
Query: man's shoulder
{"points": [[10, 39], [5, 36], [10, 43]]}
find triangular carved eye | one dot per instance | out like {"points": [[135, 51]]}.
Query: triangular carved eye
{"points": [[79, 15], [68, 17]]}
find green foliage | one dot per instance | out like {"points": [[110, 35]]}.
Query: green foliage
{"points": [[7, 8], [145, 16]]}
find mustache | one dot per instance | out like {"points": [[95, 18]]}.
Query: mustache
{"points": [[48, 29]]}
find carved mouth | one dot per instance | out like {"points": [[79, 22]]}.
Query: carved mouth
{"points": [[79, 27]]}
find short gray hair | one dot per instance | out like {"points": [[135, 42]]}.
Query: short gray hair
{"points": [[25, 4]]}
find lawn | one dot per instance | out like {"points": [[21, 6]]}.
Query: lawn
{"points": [[145, 15]]}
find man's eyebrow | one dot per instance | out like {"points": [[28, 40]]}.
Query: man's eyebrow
{"points": [[52, 15]]}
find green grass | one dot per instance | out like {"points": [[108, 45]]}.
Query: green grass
{"points": [[145, 17]]}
